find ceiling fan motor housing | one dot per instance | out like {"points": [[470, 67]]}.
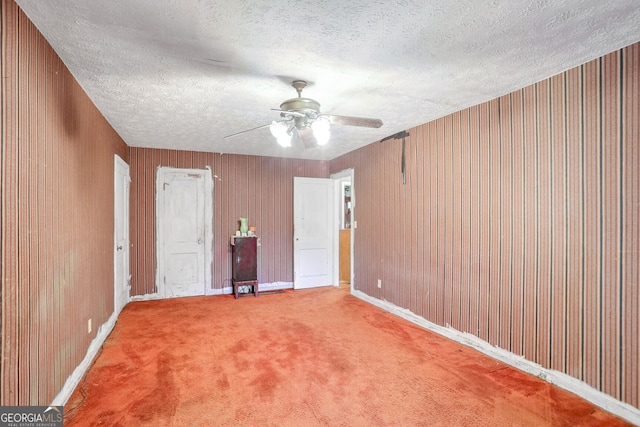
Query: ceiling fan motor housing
{"points": [[302, 105], [307, 109]]}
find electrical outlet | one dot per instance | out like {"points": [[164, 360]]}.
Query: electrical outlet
{"points": [[355, 224], [379, 283], [89, 326]]}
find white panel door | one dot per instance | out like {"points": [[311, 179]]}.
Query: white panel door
{"points": [[183, 232], [121, 234], [315, 233]]}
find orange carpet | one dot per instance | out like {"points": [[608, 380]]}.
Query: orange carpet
{"points": [[316, 357]]}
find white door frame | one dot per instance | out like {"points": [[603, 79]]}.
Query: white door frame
{"points": [[121, 166], [208, 232], [340, 176]]}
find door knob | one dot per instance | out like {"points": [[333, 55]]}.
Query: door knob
{"points": [[119, 248], [199, 241]]}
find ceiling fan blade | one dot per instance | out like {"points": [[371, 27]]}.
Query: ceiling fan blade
{"points": [[306, 137], [354, 121], [247, 130]]}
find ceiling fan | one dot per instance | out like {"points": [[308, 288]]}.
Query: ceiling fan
{"points": [[302, 119]]}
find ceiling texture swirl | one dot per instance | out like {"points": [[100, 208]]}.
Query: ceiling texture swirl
{"points": [[183, 74]]}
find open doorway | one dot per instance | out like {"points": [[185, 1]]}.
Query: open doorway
{"points": [[345, 202]]}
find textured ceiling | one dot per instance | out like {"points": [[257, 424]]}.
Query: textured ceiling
{"points": [[182, 74]]}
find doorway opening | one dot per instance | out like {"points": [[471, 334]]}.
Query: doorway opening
{"points": [[345, 196]]}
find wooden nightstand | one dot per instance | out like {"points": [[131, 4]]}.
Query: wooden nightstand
{"points": [[244, 265]]}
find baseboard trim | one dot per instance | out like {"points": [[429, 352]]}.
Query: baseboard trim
{"points": [[223, 291], [145, 297], [562, 380], [76, 376], [275, 286]]}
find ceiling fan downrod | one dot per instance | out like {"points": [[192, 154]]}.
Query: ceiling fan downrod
{"points": [[298, 85]]}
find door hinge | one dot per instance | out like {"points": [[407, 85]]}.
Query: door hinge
{"points": [[165, 186]]}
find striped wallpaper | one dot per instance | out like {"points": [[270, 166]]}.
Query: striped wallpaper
{"points": [[519, 222], [260, 188], [57, 216]]}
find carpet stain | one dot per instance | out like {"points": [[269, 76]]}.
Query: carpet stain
{"points": [[266, 381], [132, 354], [239, 346], [115, 372], [383, 322], [292, 349], [340, 364], [110, 418], [518, 381], [161, 402], [223, 382]]}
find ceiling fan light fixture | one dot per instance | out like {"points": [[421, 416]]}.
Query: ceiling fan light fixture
{"points": [[280, 131], [277, 128], [321, 130], [284, 141]]}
